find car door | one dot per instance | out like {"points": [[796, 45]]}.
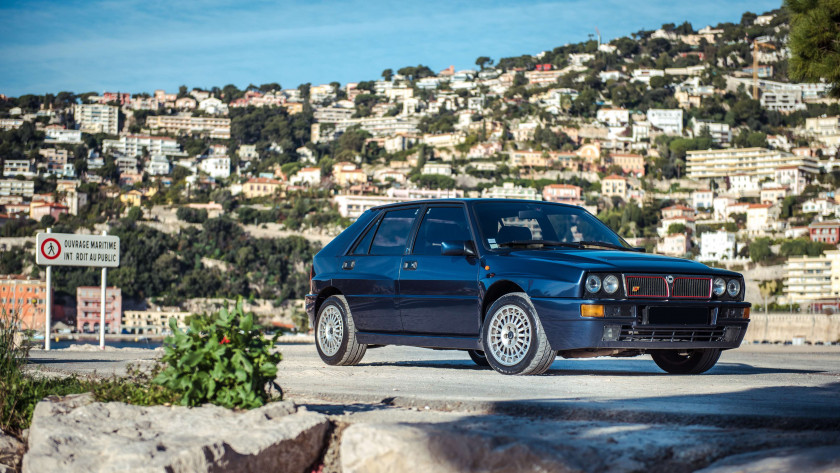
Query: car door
{"points": [[371, 268], [439, 294]]}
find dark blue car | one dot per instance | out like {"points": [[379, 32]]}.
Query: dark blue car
{"points": [[516, 283]]}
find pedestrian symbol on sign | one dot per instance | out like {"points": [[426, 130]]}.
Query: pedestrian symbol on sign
{"points": [[50, 248]]}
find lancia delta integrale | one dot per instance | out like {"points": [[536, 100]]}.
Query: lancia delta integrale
{"points": [[516, 283]]}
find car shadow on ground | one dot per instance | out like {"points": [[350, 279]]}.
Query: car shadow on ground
{"points": [[604, 367]]}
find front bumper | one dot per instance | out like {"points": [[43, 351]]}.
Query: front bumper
{"points": [[566, 329]]}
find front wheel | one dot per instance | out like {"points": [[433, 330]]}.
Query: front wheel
{"points": [[686, 361], [513, 338], [335, 334]]}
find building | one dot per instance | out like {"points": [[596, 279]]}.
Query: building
{"points": [[152, 322], [508, 190], [247, 152], [771, 195], [217, 167], [717, 246], [211, 127], [14, 167], [629, 163], [158, 165], [613, 116], [97, 118], [309, 176], [762, 219], [260, 187], [213, 106], [440, 169], [720, 132], [25, 299], [808, 279], [346, 174], [61, 135], [674, 245], [567, 194], [676, 211], [703, 199], [759, 163], [614, 186], [139, 145], [782, 101], [16, 187], [352, 206], [670, 121], [88, 306], [825, 232], [39, 210]]}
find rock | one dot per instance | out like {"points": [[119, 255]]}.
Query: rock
{"points": [[11, 451], [76, 434], [386, 448], [782, 460]]}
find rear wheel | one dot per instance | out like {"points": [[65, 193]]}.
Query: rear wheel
{"points": [[513, 338], [335, 334], [478, 357], [686, 361]]}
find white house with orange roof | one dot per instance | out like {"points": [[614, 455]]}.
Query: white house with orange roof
{"points": [[762, 219], [677, 211], [260, 187], [310, 176]]}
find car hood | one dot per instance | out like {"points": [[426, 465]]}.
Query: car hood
{"points": [[612, 260]]}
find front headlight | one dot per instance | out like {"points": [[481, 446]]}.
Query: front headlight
{"points": [[610, 284], [719, 286], [593, 284], [733, 287]]}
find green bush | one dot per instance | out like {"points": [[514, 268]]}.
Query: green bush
{"points": [[222, 359]]}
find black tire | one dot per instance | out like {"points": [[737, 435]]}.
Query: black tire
{"points": [[343, 349], [686, 362], [478, 357], [533, 355]]}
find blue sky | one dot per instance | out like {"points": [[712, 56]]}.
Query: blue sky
{"points": [[138, 46]]}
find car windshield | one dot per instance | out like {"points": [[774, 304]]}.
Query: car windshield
{"points": [[530, 223]]}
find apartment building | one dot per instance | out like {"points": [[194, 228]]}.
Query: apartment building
{"points": [[614, 186], [260, 187], [670, 121], [152, 322], [720, 132], [212, 127], [352, 206], [14, 167], [60, 135], [138, 145], [16, 187], [808, 279], [217, 167], [825, 232], [97, 118], [376, 126], [88, 306], [759, 163], [782, 101], [508, 190], [25, 299]]}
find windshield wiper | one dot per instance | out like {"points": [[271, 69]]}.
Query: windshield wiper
{"points": [[602, 244], [538, 242]]}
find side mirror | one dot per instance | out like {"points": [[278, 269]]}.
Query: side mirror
{"points": [[457, 248]]}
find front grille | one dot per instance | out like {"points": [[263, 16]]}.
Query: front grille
{"points": [[646, 286], [630, 333], [696, 288]]}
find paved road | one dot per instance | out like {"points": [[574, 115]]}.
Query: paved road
{"points": [[754, 386]]}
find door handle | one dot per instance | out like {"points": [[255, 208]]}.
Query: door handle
{"points": [[410, 265], [349, 264]]}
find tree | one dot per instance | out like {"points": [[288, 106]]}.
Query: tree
{"points": [[814, 45], [760, 250], [135, 213], [387, 74], [482, 60]]}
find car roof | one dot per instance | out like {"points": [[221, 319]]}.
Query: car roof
{"points": [[466, 200]]}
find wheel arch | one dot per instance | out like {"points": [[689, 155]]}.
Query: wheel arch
{"points": [[324, 295], [494, 292]]}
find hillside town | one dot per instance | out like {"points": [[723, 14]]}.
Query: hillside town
{"points": [[688, 142]]}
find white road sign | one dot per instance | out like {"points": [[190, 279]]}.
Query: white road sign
{"points": [[67, 249]]}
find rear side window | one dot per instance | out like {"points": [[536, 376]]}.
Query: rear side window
{"points": [[393, 232], [441, 224], [364, 244]]}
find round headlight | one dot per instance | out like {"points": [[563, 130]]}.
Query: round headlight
{"points": [[719, 286], [610, 284], [733, 287], [593, 284]]}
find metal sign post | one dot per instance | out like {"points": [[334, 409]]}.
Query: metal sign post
{"points": [[67, 249], [48, 323]]}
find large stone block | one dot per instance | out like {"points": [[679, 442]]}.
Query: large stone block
{"points": [[75, 434]]}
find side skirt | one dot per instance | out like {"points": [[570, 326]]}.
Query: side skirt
{"points": [[423, 341]]}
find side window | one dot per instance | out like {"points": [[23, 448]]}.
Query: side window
{"points": [[393, 232], [364, 244], [441, 224]]}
